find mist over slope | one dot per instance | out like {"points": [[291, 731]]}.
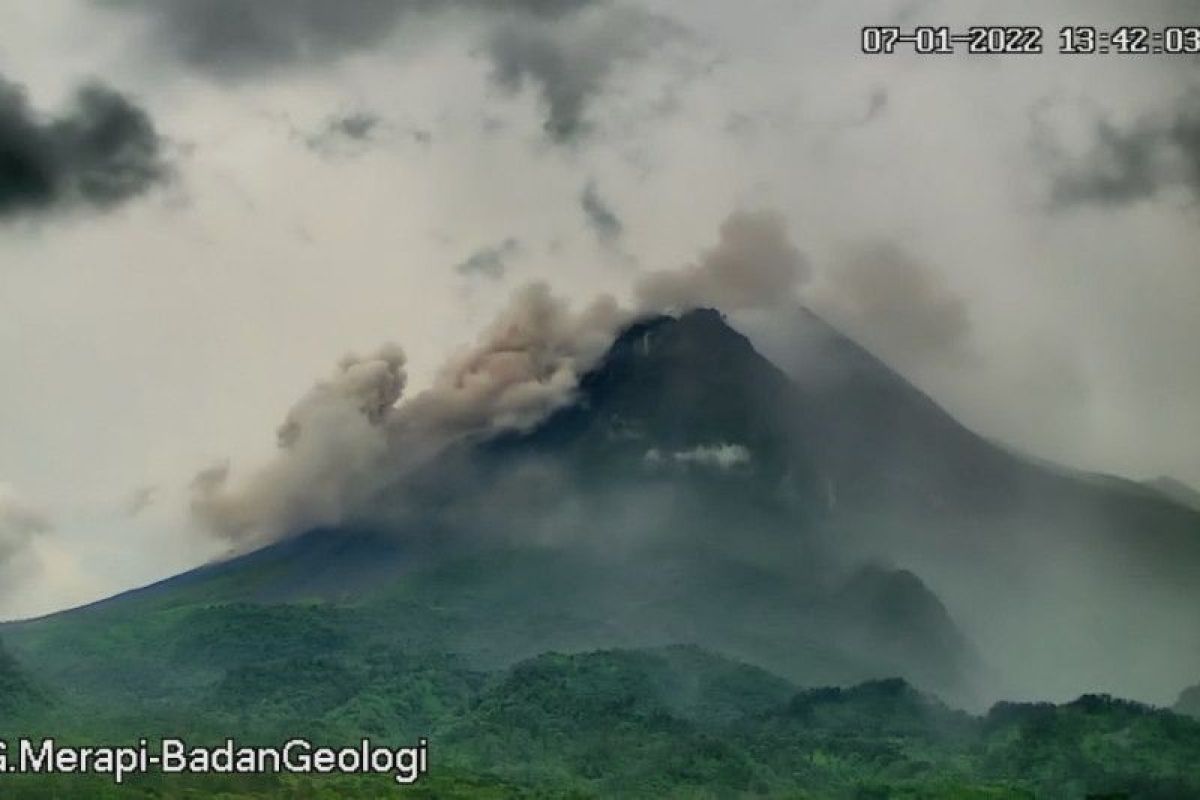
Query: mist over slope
{"points": [[826, 521], [1062, 578]]}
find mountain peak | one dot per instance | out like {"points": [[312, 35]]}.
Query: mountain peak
{"points": [[669, 383], [694, 340], [825, 425]]}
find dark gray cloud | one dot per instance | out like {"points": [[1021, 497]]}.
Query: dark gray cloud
{"points": [[342, 131], [235, 38], [1120, 167], [353, 133], [102, 151], [1184, 133], [490, 262], [600, 217], [1123, 165], [231, 38], [570, 63], [359, 126], [567, 55]]}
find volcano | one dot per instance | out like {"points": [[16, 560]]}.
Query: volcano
{"points": [[822, 519]]}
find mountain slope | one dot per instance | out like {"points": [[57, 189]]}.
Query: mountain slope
{"points": [[19, 694], [695, 492]]}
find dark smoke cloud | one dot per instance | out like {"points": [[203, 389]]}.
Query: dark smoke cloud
{"points": [[570, 61], [360, 126], [489, 262], [238, 39], [600, 217], [1137, 162], [102, 151], [754, 265]]}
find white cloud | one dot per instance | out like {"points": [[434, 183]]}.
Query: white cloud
{"points": [[715, 456]]}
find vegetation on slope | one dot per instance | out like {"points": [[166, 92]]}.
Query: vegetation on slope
{"points": [[661, 722]]}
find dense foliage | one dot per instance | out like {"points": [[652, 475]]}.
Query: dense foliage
{"points": [[661, 722]]}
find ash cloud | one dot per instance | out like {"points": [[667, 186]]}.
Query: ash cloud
{"points": [[330, 443], [1124, 165], [351, 434], [754, 265], [896, 305], [599, 215], [489, 262], [355, 432], [101, 151], [526, 365]]}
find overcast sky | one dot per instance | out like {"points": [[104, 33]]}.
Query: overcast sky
{"points": [[204, 204]]}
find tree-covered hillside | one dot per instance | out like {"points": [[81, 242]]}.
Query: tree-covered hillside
{"points": [[663, 722]]}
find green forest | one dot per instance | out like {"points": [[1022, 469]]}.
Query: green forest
{"points": [[673, 721]]}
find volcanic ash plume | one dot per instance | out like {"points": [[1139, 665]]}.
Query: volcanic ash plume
{"points": [[347, 436], [527, 364], [329, 446], [753, 266], [351, 434]]}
